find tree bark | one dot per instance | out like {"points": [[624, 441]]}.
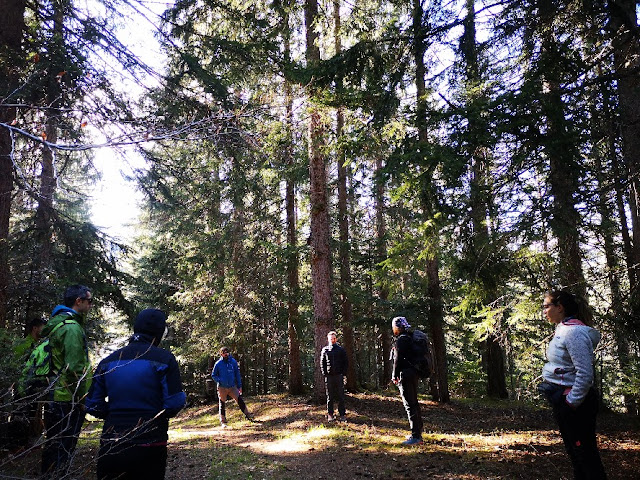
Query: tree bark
{"points": [[320, 231], [480, 203], [11, 29], [560, 149], [346, 306], [609, 195], [440, 382], [381, 255], [295, 365], [624, 23]]}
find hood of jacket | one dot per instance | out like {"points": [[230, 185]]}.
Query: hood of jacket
{"points": [[59, 314], [592, 333]]}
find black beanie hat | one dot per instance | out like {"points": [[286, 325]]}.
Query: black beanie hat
{"points": [[151, 322]]}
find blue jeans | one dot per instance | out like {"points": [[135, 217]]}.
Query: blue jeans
{"points": [[63, 422]]}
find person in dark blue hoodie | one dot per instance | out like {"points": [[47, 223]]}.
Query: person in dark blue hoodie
{"points": [[136, 390], [227, 375]]}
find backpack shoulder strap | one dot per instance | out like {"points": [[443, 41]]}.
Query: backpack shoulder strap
{"points": [[64, 322]]}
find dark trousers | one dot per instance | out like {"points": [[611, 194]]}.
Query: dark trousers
{"points": [[63, 422], [409, 392], [578, 430], [131, 462], [334, 387]]}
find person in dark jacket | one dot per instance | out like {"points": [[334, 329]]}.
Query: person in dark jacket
{"points": [[226, 373], [405, 376], [136, 390], [64, 410], [334, 363]]}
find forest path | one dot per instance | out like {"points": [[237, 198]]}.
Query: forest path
{"points": [[463, 440]]}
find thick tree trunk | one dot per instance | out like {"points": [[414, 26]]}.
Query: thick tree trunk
{"points": [[320, 231], [440, 382], [11, 28]]}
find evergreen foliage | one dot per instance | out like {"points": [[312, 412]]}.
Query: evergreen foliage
{"points": [[487, 152]]}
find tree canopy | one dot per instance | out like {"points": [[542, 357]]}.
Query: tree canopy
{"points": [[329, 165]]}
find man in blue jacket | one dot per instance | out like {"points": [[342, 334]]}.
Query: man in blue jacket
{"points": [[136, 390], [227, 375]]}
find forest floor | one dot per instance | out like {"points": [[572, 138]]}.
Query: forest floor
{"points": [[292, 440]]}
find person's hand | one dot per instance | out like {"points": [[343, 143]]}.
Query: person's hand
{"points": [[240, 391]]}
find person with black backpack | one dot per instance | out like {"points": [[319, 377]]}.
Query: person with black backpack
{"points": [[405, 376]]}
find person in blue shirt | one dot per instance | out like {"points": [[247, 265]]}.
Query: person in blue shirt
{"points": [[136, 390], [227, 375]]}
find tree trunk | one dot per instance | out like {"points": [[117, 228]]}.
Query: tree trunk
{"points": [[320, 232], [295, 365], [440, 382], [480, 204], [11, 28], [560, 149], [609, 195], [381, 255], [346, 306], [624, 23]]}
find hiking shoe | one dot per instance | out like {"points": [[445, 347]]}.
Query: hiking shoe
{"points": [[412, 441], [342, 418], [330, 418], [250, 417], [223, 425]]}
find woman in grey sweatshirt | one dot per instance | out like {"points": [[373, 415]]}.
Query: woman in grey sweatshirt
{"points": [[568, 381]]}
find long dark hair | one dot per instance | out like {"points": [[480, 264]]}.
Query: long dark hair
{"points": [[574, 305]]}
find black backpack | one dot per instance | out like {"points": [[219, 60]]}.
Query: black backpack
{"points": [[422, 360]]}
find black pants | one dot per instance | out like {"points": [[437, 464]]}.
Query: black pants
{"points": [[409, 392], [63, 422], [578, 430], [334, 387], [123, 461]]}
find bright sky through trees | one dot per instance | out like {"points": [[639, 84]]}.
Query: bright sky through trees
{"points": [[115, 199]]}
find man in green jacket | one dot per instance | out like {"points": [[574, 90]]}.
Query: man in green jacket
{"points": [[64, 411], [27, 407]]}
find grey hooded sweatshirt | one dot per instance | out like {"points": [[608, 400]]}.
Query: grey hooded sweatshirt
{"points": [[570, 358]]}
